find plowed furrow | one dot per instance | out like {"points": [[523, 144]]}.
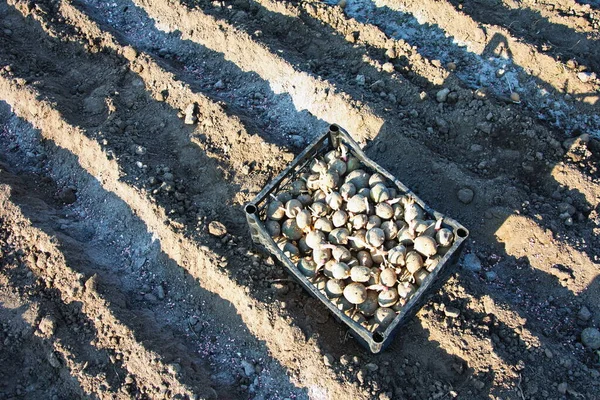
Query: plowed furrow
{"points": [[21, 314], [569, 13], [410, 126], [307, 92], [409, 145], [199, 261], [185, 326], [215, 274], [465, 30], [369, 35], [558, 41], [211, 278], [111, 335], [165, 85], [208, 143]]}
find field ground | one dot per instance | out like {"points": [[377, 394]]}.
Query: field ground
{"points": [[111, 285]]}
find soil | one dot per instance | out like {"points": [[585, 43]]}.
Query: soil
{"points": [[128, 128]]}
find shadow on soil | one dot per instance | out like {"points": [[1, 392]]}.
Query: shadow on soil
{"points": [[244, 94], [539, 286], [92, 251], [44, 380], [559, 41], [433, 43]]}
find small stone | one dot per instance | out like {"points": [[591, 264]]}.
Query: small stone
{"points": [[476, 148], [590, 337], [297, 140], [514, 96], [47, 326], [280, 288], [372, 367], [491, 276], [477, 384], [217, 229], [465, 195], [360, 80], [139, 150], [452, 98], [53, 360], [219, 84], [584, 314], [328, 360], [451, 312], [485, 127], [129, 53], [388, 67], [586, 77], [67, 195], [345, 360], [548, 353], [190, 118], [472, 263], [451, 66], [150, 297], [568, 221], [160, 292], [562, 388], [442, 95], [360, 376], [249, 369]]}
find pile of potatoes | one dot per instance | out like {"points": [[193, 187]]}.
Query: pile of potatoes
{"points": [[366, 246]]}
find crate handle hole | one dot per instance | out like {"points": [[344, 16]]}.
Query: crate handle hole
{"points": [[250, 209], [378, 337], [334, 128], [461, 233]]}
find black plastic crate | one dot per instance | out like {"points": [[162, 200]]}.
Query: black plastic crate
{"points": [[376, 341]]}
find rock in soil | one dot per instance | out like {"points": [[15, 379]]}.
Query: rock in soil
{"points": [[47, 326], [217, 229], [452, 312], [562, 388], [190, 110], [249, 369], [67, 195], [442, 95], [465, 195], [471, 262], [590, 337], [584, 314]]}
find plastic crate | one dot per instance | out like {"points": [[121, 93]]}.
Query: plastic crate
{"points": [[374, 341]]}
